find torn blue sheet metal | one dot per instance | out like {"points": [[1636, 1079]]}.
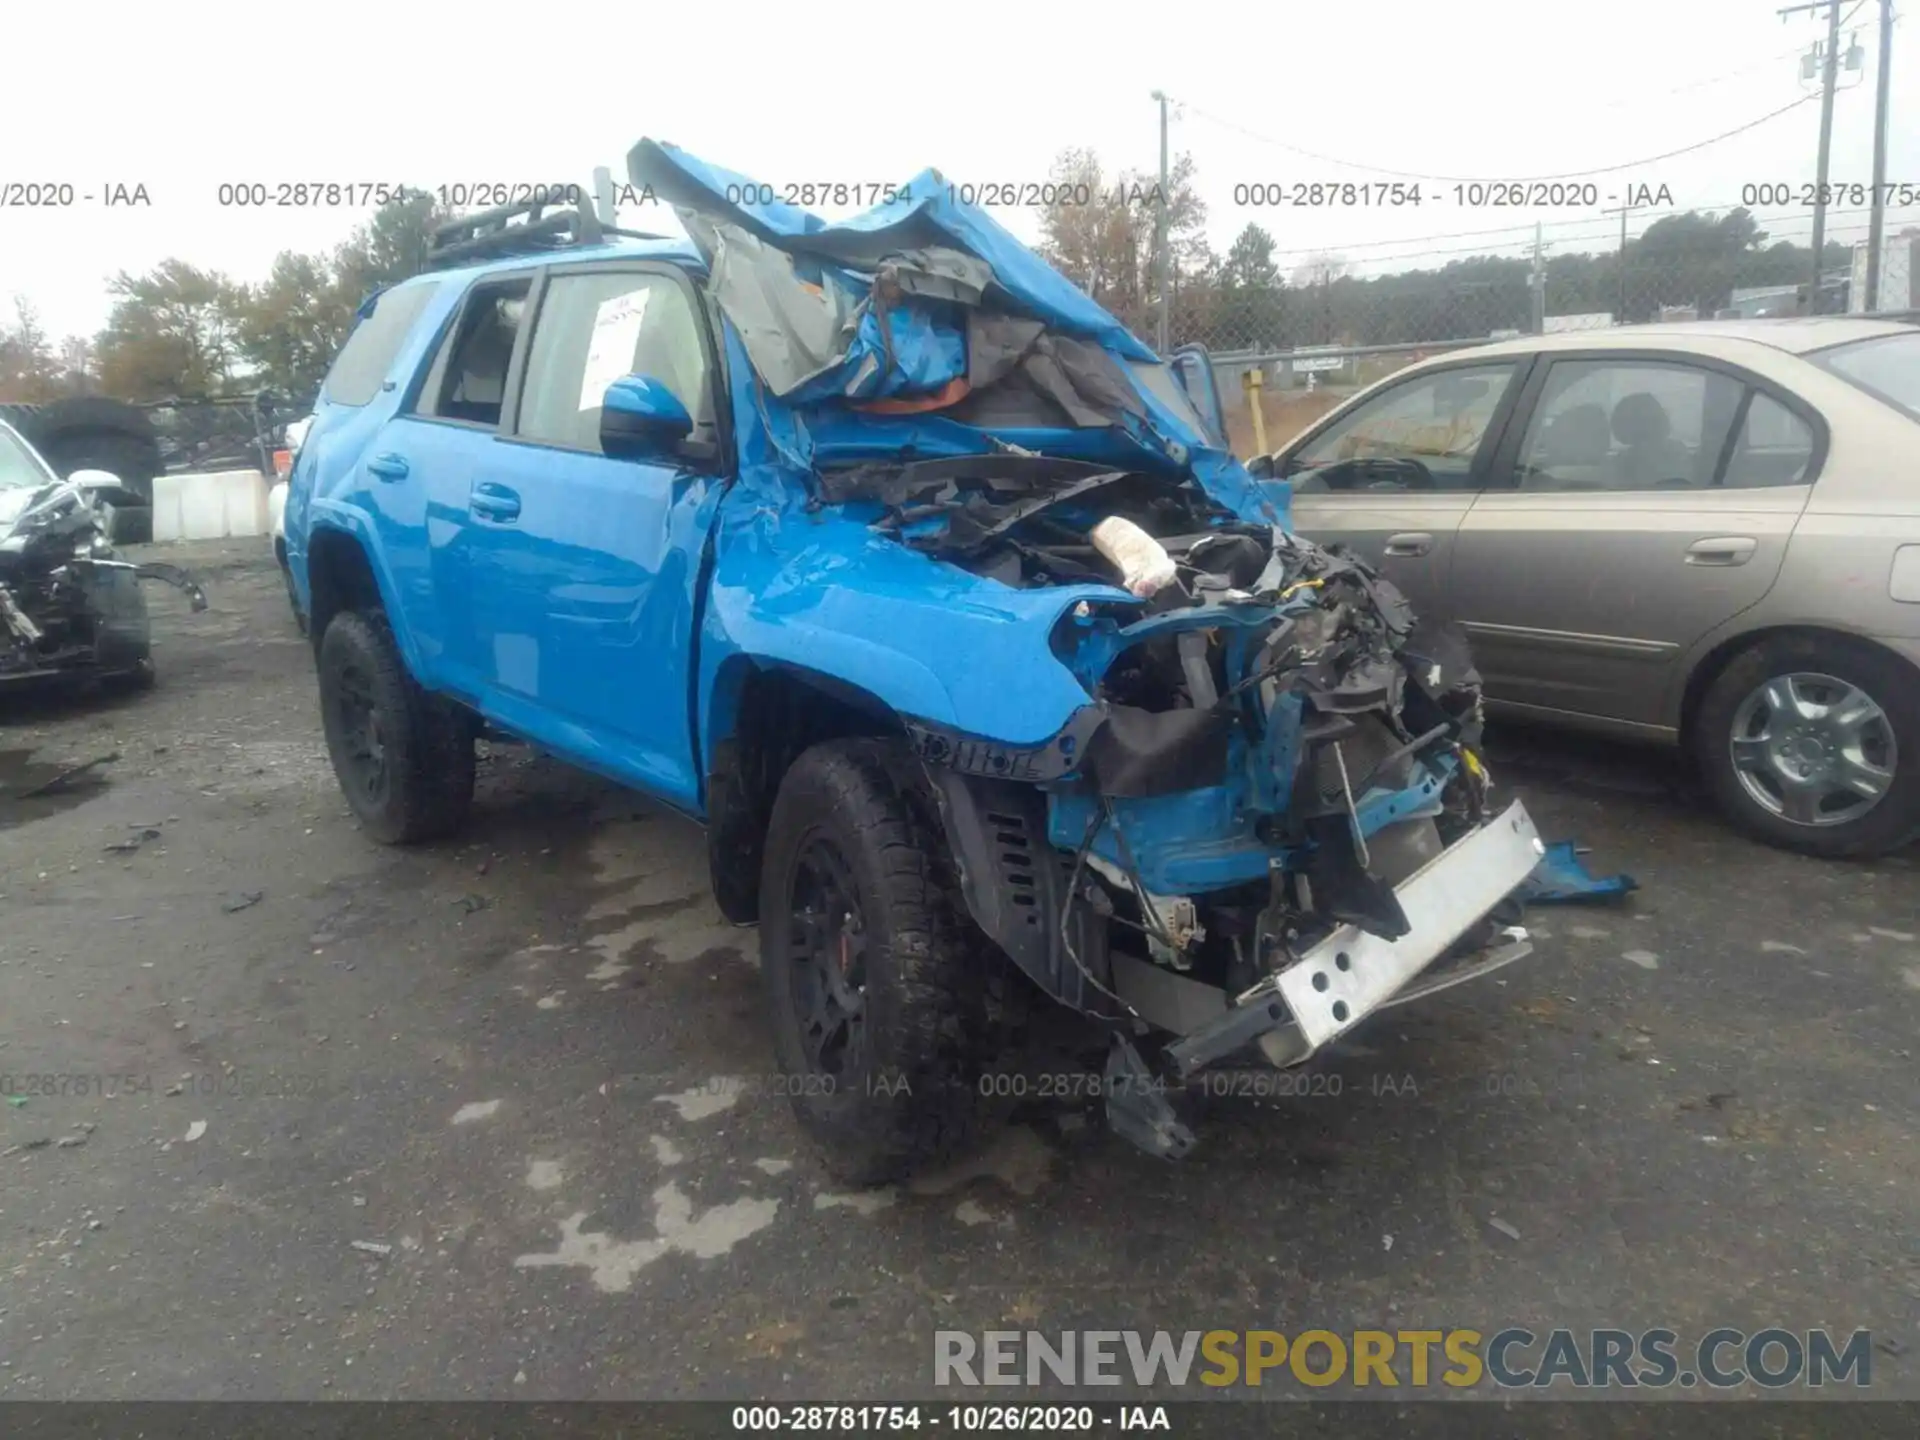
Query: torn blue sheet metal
{"points": [[888, 306], [1560, 877], [924, 210]]}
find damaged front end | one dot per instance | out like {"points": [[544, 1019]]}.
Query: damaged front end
{"points": [[70, 608], [1204, 780], [1270, 818]]}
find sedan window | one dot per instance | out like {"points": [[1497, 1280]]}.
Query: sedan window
{"points": [[1421, 434], [1627, 425], [1775, 447], [1888, 367], [20, 467]]}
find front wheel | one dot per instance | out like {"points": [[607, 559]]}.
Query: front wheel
{"points": [[404, 757], [882, 990], [1813, 744]]}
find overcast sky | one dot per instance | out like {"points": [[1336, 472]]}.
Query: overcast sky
{"points": [[184, 96]]}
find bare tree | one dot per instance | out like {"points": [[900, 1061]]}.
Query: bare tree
{"points": [[28, 370], [1098, 231]]}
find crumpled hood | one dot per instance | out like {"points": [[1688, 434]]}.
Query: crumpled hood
{"points": [[923, 327]]}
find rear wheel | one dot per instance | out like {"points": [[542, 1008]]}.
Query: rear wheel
{"points": [[1813, 743], [404, 757], [884, 995]]}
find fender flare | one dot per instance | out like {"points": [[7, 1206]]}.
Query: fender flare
{"points": [[331, 517]]}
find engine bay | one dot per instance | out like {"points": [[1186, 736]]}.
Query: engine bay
{"points": [[1273, 739]]}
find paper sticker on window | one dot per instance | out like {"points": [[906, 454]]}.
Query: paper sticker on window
{"points": [[616, 334]]}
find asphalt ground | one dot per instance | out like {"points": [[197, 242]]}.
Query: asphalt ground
{"points": [[294, 1116]]}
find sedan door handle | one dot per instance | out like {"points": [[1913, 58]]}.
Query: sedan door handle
{"points": [[495, 502], [1409, 542], [1722, 550], [388, 466]]}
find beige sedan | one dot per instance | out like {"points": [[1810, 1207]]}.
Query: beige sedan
{"points": [[1702, 534]]}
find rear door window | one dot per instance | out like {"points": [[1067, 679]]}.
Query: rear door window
{"points": [[363, 363], [1775, 447], [468, 381], [1628, 425]]}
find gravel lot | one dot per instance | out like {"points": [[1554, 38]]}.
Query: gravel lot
{"points": [[486, 1120]]}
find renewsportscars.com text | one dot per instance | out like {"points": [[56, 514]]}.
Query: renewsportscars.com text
{"points": [[1510, 1358]]}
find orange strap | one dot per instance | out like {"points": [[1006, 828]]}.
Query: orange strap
{"points": [[951, 393]]}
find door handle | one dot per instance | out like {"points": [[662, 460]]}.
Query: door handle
{"points": [[388, 466], [1409, 542], [1722, 550], [495, 502]]}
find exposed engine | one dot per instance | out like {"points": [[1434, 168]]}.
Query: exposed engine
{"points": [[1275, 741]]}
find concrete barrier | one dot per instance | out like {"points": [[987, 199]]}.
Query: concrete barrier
{"points": [[215, 505]]}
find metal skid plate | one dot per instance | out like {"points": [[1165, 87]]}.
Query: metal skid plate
{"points": [[1350, 974]]}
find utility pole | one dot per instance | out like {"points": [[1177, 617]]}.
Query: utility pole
{"points": [[603, 195], [1620, 266], [1829, 66], [1539, 283], [1877, 222], [1164, 321]]}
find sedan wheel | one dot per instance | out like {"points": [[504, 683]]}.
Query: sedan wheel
{"points": [[1812, 742], [1814, 749]]}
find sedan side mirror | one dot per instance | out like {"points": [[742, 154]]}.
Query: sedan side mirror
{"points": [[641, 418], [1261, 467], [106, 486]]}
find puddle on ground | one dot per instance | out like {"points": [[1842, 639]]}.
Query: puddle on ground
{"points": [[34, 789]]}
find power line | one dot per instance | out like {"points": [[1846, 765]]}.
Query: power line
{"points": [[1526, 230], [1636, 99], [1499, 179], [1487, 250]]}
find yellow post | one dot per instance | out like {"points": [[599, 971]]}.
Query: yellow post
{"points": [[1250, 382]]}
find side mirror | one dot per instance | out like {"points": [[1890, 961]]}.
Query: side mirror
{"points": [[105, 486], [641, 418], [1261, 467]]}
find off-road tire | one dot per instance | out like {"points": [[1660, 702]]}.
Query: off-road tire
{"points": [[935, 1007], [427, 741], [1893, 685]]}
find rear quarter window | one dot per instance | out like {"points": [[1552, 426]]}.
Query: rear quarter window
{"points": [[363, 362], [1887, 367]]}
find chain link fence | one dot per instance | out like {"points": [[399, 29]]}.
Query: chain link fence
{"points": [[1337, 321]]}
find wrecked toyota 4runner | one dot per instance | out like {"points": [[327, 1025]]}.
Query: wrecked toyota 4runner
{"points": [[892, 558], [70, 609]]}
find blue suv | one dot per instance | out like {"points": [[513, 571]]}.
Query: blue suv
{"points": [[891, 557]]}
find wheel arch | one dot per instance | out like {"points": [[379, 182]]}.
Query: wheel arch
{"points": [[343, 571], [1710, 665], [762, 714]]}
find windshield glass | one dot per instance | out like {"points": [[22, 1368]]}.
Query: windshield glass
{"points": [[19, 466], [1888, 367]]}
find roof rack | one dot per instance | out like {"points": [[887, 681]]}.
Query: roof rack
{"points": [[545, 223]]}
